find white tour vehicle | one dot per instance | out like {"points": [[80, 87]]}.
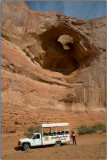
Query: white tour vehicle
{"points": [[53, 137]]}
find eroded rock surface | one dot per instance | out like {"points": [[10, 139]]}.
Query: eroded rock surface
{"points": [[51, 61]]}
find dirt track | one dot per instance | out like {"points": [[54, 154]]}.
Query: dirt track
{"points": [[88, 147]]}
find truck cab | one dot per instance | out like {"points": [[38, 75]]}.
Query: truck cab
{"points": [[26, 143], [36, 139]]}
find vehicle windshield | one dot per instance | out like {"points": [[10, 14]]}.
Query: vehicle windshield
{"points": [[32, 136]]}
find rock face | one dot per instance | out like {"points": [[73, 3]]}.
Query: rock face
{"points": [[51, 61]]}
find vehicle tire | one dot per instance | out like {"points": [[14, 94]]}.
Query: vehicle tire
{"points": [[26, 146], [58, 143]]}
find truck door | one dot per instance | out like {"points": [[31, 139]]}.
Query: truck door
{"points": [[37, 139]]}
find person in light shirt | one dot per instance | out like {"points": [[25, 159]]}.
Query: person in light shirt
{"points": [[73, 137]]}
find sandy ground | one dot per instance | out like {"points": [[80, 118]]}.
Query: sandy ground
{"points": [[88, 147]]}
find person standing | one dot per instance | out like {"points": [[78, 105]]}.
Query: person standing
{"points": [[73, 137]]}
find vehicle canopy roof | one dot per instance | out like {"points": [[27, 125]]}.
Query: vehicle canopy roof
{"points": [[54, 124]]}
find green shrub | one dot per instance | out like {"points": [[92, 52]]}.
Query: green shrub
{"points": [[91, 129], [28, 134], [100, 126], [104, 129], [31, 130], [82, 130]]}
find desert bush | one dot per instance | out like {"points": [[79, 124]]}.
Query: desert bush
{"points": [[28, 134], [100, 126], [104, 129], [91, 129], [31, 130]]}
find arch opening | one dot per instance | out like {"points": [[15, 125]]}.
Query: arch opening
{"points": [[60, 55], [62, 52]]}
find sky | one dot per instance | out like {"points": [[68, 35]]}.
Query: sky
{"points": [[83, 9]]}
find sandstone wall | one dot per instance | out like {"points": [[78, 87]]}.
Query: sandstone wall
{"points": [[45, 72]]}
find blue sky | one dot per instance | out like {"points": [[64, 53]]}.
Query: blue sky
{"points": [[83, 9]]}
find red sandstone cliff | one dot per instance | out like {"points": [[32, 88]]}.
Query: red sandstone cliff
{"points": [[50, 61]]}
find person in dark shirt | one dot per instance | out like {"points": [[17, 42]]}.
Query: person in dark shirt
{"points": [[73, 137]]}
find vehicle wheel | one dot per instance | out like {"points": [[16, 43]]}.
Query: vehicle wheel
{"points": [[26, 146], [58, 143]]}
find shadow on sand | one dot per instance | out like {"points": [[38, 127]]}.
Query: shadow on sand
{"points": [[38, 147]]}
